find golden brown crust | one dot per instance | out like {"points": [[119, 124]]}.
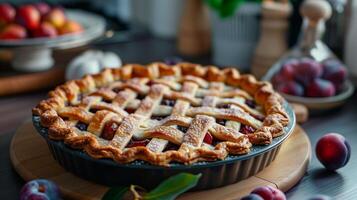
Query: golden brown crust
{"points": [[191, 150]]}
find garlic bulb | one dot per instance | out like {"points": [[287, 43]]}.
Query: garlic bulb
{"points": [[91, 62]]}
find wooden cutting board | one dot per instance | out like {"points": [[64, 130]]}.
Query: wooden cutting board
{"points": [[31, 158], [16, 84]]}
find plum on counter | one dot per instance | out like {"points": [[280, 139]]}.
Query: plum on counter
{"points": [[265, 193], [333, 151], [40, 189], [309, 78]]}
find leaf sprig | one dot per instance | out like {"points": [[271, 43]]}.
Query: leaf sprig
{"points": [[227, 8], [167, 190]]}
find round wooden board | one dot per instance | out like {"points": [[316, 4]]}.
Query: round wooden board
{"points": [[31, 158]]}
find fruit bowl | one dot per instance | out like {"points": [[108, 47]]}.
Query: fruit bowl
{"points": [[35, 54], [316, 105]]}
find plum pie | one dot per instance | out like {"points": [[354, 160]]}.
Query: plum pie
{"points": [[161, 113]]}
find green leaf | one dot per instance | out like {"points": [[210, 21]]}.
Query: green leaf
{"points": [[115, 193], [215, 4], [229, 7], [173, 187]]}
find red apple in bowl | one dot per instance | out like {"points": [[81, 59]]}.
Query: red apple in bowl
{"points": [[56, 17], [28, 16], [70, 27], [45, 30], [7, 13], [13, 32], [43, 8]]}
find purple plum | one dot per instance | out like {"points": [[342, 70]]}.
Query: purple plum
{"points": [[288, 69], [308, 70], [335, 72], [269, 193], [252, 197], [320, 88], [40, 189], [292, 88], [333, 151]]}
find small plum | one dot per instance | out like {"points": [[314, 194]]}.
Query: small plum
{"points": [[320, 88], [7, 13], [56, 17], [279, 79], [45, 30], [43, 8], [308, 70], [292, 88], [252, 197], [40, 189], [288, 69], [333, 151], [13, 32], [70, 27], [335, 72], [269, 193], [28, 16], [320, 197]]}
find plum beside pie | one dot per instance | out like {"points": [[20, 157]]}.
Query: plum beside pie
{"points": [[164, 113]]}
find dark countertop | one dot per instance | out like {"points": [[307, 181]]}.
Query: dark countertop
{"points": [[341, 185]]}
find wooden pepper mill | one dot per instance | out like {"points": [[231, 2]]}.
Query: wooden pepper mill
{"points": [[194, 31], [272, 43], [315, 13]]}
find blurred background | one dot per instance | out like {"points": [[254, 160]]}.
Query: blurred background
{"points": [[250, 35]]}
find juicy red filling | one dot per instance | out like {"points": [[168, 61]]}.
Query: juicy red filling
{"points": [[168, 102], [208, 138], [129, 110], [137, 143], [182, 128], [260, 118], [140, 96], [171, 146], [246, 129], [106, 100], [221, 121], [93, 110], [116, 90], [157, 117], [80, 97], [109, 130], [250, 103], [225, 106], [81, 126]]}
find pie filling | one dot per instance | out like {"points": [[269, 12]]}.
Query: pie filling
{"points": [[175, 118]]}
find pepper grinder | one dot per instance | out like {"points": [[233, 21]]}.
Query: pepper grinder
{"points": [[273, 42], [194, 30], [314, 13]]}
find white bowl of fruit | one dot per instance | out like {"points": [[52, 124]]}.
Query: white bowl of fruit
{"points": [[320, 86], [30, 31]]}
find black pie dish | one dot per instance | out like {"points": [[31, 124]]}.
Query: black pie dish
{"points": [[214, 174]]}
